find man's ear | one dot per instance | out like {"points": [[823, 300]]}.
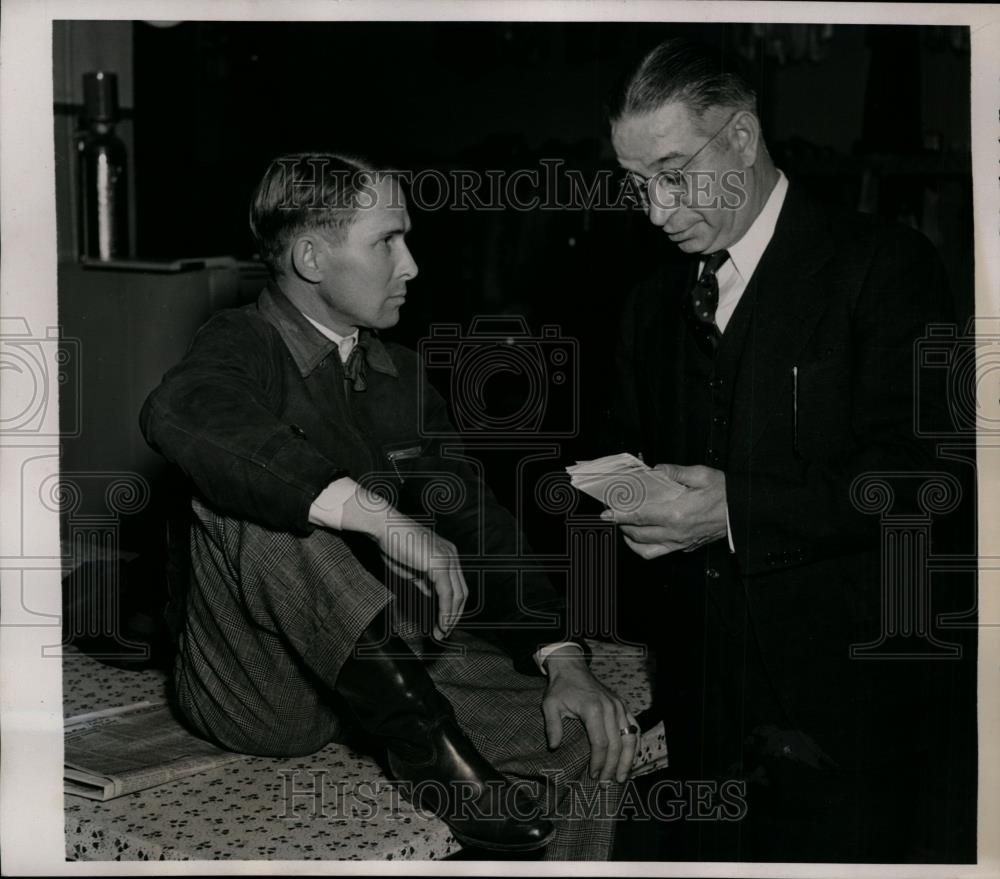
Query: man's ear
{"points": [[304, 258], [745, 137]]}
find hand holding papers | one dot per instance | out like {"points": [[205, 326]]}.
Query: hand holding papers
{"points": [[624, 483]]}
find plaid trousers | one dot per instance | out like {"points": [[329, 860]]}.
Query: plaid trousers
{"points": [[271, 618]]}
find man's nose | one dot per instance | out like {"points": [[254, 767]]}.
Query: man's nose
{"points": [[662, 206], [407, 268]]}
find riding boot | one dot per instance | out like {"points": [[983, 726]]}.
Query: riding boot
{"points": [[393, 698]]}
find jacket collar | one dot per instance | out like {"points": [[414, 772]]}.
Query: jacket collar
{"points": [[308, 346]]}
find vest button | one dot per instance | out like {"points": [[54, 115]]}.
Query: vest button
{"points": [[719, 420], [715, 384], [712, 573]]}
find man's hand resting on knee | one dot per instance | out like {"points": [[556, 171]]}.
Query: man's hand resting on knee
{"points": [[410, 548], [573, 691]]}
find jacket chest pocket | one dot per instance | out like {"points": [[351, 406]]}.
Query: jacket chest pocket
{"points": [[397, 454]]}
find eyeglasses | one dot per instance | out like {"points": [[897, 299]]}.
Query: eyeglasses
{"points": [[670, 184]]}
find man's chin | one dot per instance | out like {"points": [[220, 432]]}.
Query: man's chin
{"points": [[689, 245], [389, 319], [688, 240]]}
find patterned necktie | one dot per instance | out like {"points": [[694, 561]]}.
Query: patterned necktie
{"points": [[705, 293], [355, 367], [702, 301]]}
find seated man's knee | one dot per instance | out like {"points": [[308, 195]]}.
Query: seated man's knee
{"points": [[291, 736]]}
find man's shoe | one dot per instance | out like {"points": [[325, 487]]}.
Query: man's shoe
{"points": [[394, 699], [454, 781]]}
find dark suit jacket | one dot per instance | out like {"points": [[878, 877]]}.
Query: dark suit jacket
{"points": [[843, 299]]}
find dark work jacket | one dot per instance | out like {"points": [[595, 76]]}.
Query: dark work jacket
{"points": [[260, 417], [815, 466]]}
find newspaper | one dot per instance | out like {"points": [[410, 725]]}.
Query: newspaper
{"points": [[122, 750]]}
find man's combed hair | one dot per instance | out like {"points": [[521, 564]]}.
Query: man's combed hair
{"points": [[681, 71], [304, 191]]}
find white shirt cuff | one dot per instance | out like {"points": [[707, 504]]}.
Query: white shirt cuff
{"points": [[729, 531], [543, 653], [328, 508]]}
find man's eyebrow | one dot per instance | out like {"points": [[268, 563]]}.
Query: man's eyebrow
{"points": [[657, 163], [394, 229], [669, 157]]}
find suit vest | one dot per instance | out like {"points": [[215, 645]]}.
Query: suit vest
{"points": [[706, 395], [707, 387]]}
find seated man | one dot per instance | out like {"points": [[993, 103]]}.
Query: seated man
{"points": [[301, 432]]}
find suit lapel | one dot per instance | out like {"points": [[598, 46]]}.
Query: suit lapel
{"points": [[788, 297]]}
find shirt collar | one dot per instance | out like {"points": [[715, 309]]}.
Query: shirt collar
{"points": [[746, 253], [332, 335], [307, 344]]}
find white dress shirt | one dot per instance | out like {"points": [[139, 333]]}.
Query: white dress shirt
{"points": [[745, 254]]}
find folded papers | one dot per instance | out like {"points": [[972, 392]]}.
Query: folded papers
{"points": [[623, 483]]}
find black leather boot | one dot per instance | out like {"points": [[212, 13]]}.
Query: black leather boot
{"points": [[394, 699]]}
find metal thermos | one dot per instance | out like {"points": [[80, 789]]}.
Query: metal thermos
{"points": [[103, 215]]}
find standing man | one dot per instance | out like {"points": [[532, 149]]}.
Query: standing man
{"points": [[306, 439], [768, 368]]}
